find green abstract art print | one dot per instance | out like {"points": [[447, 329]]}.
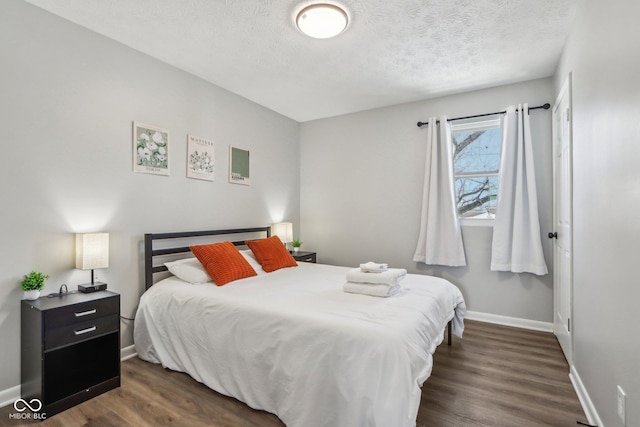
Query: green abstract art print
{"points": [[239, 166]]}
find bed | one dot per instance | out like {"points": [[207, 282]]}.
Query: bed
{"points": [[291, 342]]}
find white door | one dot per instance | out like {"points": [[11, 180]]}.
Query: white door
{"points": [[562, 220]]}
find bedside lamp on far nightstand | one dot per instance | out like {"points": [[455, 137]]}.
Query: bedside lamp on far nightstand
{"points": [[92, 251], [284, 230]]}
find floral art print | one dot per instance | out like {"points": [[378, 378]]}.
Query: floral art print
{"points": [[200, 158], [150, 149]]}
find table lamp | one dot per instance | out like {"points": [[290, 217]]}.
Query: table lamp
{"points": [[284, 230], [92, 251]]}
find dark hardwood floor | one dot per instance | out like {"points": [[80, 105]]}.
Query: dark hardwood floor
{"points": [[494, 376], [500, 376]]}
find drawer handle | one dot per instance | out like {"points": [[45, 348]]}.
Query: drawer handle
{"points": [[85, 331], [86, 313], [308, 259]]}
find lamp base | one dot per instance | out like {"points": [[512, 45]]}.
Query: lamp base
{"points": [[92, 287]]}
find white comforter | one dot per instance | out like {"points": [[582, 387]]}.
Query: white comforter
{"points": [[293, 343]]}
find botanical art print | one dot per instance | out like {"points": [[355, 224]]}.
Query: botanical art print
{"points": [[150, 149], [200, 158], [239, 166]]}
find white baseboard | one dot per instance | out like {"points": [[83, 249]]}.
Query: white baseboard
{"points": [[587, 405], [10, 395], [516, 322], [127, 353]]}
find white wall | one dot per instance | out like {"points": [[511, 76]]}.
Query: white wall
{"points": [[602, 53], [67, 101], [361, 190]]}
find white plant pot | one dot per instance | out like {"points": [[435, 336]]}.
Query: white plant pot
{"points": [[296, 249], [31, 295]]}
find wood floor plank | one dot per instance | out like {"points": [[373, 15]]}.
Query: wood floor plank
{"points": [[495, 376]]}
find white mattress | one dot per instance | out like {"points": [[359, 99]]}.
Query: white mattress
{"points": [[293, 343]]}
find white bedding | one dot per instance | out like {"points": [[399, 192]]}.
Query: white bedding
{"points": [[291, 342]]}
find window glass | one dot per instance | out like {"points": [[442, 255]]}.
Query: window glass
{"points": [[477, 151], [476, 197], [476, 164]]}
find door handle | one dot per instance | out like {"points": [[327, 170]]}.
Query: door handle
{"points": [[553, 235]]}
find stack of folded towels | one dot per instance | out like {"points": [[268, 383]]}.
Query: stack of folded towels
{"points": [[374, 279]]}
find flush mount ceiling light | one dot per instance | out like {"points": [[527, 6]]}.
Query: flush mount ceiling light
{"points": [[322, 21]]}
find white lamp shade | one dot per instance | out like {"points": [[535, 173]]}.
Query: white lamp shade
{"points": [[92, 251], [284, 230]]}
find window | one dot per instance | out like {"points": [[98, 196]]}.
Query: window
{"points": [[476, 163]]}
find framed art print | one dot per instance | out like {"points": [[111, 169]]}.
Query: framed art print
{"points": [[239, 166], [150, 149], [200, 158]]}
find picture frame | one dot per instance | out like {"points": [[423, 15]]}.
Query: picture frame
{"points": [[150, 149], [200, 158], [239, 166]]}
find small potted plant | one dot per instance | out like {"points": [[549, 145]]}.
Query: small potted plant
{"points": [[32, 284], [296, 245]]}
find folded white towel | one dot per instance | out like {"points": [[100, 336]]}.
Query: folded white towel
{"points": [[374, 267], [391, 277], [379, 290]]}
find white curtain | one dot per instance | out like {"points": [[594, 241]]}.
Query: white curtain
{"points": [[517, 245], [440, 239]]}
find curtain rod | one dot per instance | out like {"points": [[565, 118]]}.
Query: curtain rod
{"points": [[544, 106]]}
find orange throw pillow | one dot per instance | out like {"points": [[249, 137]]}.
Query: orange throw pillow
{"points": [[223, 262], [271, 253]]}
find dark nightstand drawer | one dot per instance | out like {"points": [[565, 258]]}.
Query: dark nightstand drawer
{"points": [[79, 313], [304, 256], [58, 337]]}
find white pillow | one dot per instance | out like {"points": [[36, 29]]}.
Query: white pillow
{"points": [[188, 269], [253, 261]]}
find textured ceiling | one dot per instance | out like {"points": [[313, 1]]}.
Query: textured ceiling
{"points": [[394, 51]]}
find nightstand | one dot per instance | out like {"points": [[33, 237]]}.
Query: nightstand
{"points": [[304, 256], [70, 348]]}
